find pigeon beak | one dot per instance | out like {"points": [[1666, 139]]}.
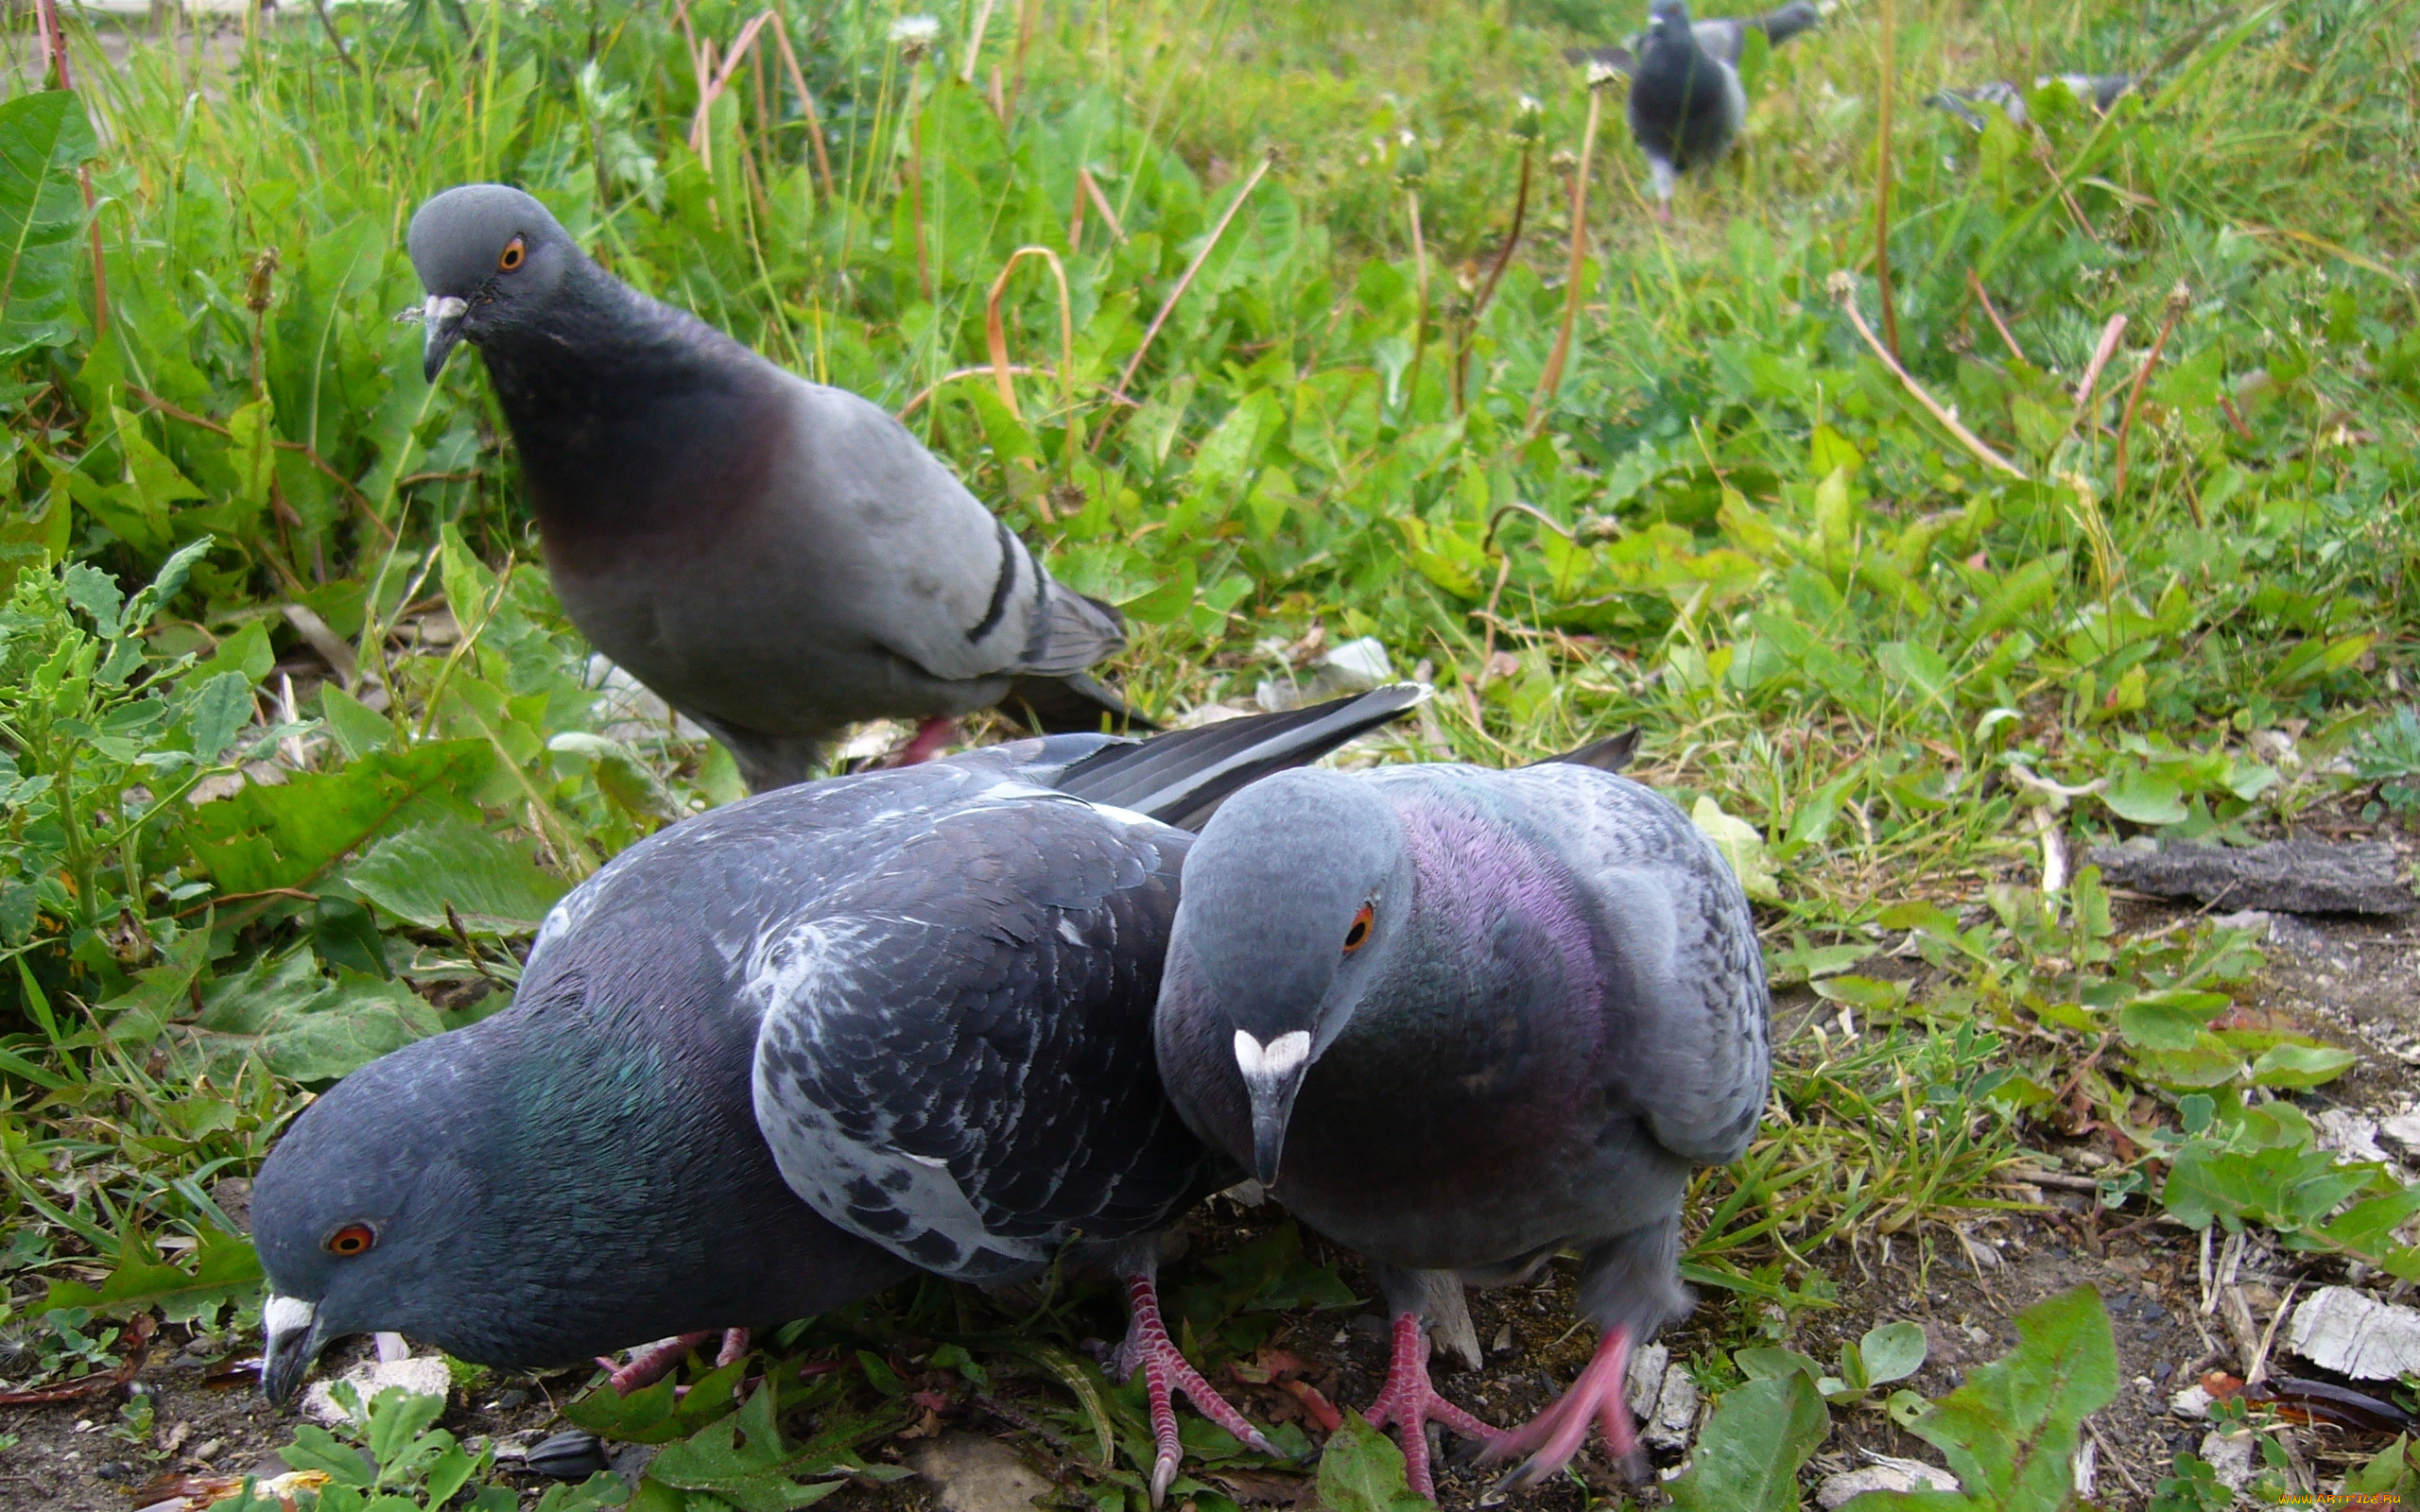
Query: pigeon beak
{"points": [[1272, 1075], [441, 318], [294, 1341]]}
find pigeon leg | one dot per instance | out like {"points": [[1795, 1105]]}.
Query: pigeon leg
{"points": [[734, 1348], [1411, 1403], [926, 742], [1165, 1369], [652, 1363], [1556, 1434]]}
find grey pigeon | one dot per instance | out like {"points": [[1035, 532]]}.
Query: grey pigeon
{"points": [[1685, 100], [769, 1057], [1460, 1020], [776, 558], [2097, 92]]}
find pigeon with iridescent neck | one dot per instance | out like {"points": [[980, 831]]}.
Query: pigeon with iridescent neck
{"points": [[1460, 1020]]}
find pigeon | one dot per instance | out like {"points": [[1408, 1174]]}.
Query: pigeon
{"points": [[1725, 36], [768, 1059], [1459, 1019], [2097, 90], [1685, 100], [775, 558]]}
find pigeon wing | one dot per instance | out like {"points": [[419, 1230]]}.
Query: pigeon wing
{"points": [[919, 565], [1697, 1051], [956, 1057]]}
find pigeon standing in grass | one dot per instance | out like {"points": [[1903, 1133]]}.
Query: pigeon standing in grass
{"points": [[1460, 1020], [1686, 99], [776, 558], [766, 1059]]}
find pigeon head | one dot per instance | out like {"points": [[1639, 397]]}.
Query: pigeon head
{"points": [[1296, 898], [492, 259], [1669, 21], [362, 1222]]}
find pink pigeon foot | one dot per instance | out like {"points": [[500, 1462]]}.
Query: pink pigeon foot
{"points": [[1165, 1370], [1556, 1434], [1411, 1403], [652, 1364], [926, 743]]}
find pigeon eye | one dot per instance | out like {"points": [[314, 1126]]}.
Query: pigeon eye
{"points": [[1359, 934], [514, 251], [353, 1239]]}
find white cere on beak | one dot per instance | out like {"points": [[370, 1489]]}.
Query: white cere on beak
{"points": [[281, 1315], [441, 307], [1266, 1066]]}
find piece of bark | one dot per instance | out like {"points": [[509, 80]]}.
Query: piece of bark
{"points": [[2284, 876], [2341, 1330]]}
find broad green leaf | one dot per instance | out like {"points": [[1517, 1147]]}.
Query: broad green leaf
{"points": [[1747, 1456], [1362, 1471], [1893, 1351], [2010, 1431], [491, 886], [2146, 797], [2294, 1065], [357, 728], [316, 1449], [43, 137], [1172, 598], [742, 1459], [300, 1024], [2169, 1020], [246, 651], [1766, 1363], [628, 781], [2209, 1061], [220, 710], [220, 1268], [2369, 1228], [292, 835], [1742, 846], [602, 1489], [397, 1417]]}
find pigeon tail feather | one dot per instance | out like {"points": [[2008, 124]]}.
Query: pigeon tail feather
{"points": [[1181, 778], [1610, 754], [1074, 631]]}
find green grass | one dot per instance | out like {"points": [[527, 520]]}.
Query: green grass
{"points": [[1889, 662]]}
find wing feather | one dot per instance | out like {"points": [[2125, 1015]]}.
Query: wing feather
{"points": [[956, 1057]]}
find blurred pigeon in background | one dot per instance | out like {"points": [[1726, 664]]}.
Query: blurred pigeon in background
{"points": [[2097, 90], [1725, 36], [1686, 99], [776, 558], [766, 1059], [1460, 1020]]}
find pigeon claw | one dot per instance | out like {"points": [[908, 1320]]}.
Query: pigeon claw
{"points": [[1409, 1402], [1555, 1435], [1165, 1371], [650, 1364]]}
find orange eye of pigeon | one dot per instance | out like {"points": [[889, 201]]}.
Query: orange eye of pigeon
{"points": [[353, 1239], [514, 251], [1359, 934]]}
